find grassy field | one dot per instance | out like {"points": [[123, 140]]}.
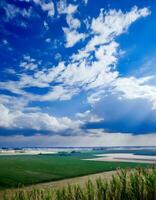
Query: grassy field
{"points": [[16, 171], [136, 184]]}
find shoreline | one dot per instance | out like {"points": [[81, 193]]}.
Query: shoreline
{"points": [[124, 157], [12, 153]]}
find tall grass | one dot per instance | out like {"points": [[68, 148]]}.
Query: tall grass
{"points": [[136, 184]]}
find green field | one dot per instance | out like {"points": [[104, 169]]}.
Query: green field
{"points": [[136, 184], [22, 170]]}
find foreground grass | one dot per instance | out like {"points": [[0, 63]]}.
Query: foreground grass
{"points": [[137, 184], [17, 171]]}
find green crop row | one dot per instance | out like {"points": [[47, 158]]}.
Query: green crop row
{"points": [[136, 184]]}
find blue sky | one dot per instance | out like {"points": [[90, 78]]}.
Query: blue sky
{"points": [[77, 73]]}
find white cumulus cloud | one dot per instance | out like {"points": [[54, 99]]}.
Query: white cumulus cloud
{"points": [[72, 37], [35, 120]]}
